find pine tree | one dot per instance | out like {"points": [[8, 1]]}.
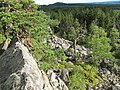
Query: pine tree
{"points": [[74, 34], [115, 42], [100, 45], [20, 18]]}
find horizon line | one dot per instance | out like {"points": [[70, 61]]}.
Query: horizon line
{"points": [[81, 2]]}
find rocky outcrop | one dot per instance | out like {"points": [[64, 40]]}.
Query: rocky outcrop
{"points": [[56, 42], [82, 52], [19, 71]]}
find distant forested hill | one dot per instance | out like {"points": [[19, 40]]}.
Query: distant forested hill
{"points": [[115, 4]]}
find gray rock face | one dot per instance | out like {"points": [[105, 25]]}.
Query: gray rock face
{"points": [[19, 71], [56, 42]]}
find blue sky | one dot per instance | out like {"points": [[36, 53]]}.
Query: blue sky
{"points": [[46, 2]]}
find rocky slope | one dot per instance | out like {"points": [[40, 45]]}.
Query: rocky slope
{"points": [[56, 42], [110, 81], [19, 71]]}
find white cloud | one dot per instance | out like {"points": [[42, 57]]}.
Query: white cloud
{"points": [[41, 2]]}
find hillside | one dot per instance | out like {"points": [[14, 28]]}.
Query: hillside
{"points": [[96, 4], [59, 47]]}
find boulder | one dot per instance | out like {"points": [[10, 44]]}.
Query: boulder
{"points": [[19, 71], [55, 81], [56, 42], [64, 75]]}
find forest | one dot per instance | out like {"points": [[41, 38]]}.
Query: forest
{"points": [[96, 29], [76, 21]]}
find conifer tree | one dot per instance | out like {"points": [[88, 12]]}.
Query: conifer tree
{"points": [[100, 45], [20, 18]]}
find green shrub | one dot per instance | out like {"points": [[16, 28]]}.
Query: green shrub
{"points": [[2, 38], [81, 75], [60, 54], [77, 80]]}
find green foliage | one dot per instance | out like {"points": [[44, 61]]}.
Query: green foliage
{"points": [[20, 18], [60, 54], [45, 56], [114, 36], [48, 58], [74, 31], [117, 54], [115, 41], [65, 64], [81, 75], [100, 37], [99, 44], [44, 65], [2, 38], [76, 81]]}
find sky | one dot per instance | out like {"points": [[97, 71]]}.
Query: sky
{"points": [[46, 2]]}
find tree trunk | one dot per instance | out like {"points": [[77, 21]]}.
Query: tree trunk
{"points": [[74, 46]]}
